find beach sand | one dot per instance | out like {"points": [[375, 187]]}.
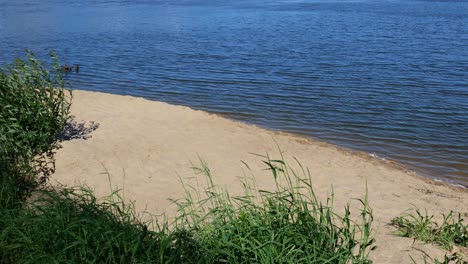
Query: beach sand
{"points": [[143, 147]]}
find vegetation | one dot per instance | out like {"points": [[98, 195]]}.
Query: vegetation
{"points": [[288, 225], [451, 232], [34, 108], [454, 258], [283, 226], [70, 226]]}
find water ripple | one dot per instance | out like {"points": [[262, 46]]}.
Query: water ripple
{"points": [[387, 77]]}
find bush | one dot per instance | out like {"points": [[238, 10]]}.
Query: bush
{"points": [[34, 108]]}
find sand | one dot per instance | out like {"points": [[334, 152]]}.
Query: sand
{"points": [[144, 146]]}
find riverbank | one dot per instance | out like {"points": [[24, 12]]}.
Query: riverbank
{"points": [[145, 145]]}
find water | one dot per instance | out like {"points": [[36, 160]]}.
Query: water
{"points": [[386, 77]]}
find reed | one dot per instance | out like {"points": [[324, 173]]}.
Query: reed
{"points": [[285, 225]]}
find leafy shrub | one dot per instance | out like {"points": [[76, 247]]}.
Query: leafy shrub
{"points": [[34, 108]]}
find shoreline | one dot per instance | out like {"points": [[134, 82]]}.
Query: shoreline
{"points": [[306, 139], [392, 164], [401, 164], [142, 147]]}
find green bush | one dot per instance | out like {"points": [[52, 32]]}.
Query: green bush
{"points": [[34, 108]]}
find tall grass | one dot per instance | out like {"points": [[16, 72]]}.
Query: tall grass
{"points": [[71, 226], [34, 108], [285, 225]]}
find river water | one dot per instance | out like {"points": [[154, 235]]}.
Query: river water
{"points": [[386, 77]]}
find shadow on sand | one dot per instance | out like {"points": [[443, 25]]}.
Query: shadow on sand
{"points": [[77, 130]]}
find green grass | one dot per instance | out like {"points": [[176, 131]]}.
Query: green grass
{"points": [[448, 259], [72, 227], [286, 225], [452, 231]]}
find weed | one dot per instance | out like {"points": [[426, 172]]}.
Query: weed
{"points": [[452, 231]]}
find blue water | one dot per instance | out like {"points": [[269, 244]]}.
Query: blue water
{"points": [[386, 77]]}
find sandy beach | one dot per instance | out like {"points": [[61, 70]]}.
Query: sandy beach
{"points": [[144, 146]]}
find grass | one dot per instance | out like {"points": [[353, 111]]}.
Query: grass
{"points": [[451, 232], [285, 225], [454, 258], [71, 226]]}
